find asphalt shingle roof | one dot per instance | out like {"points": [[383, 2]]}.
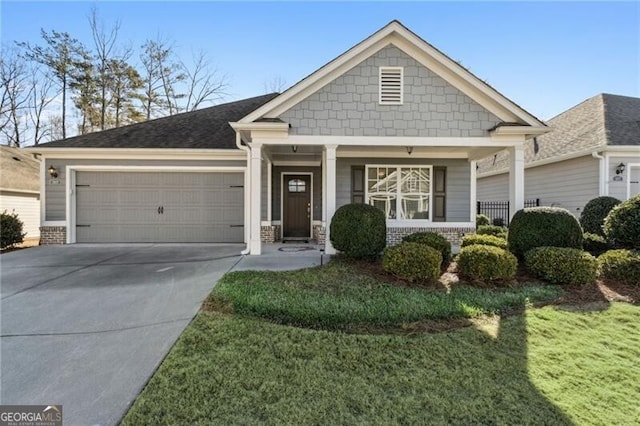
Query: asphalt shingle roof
{"points": [[18, 170], [599, 121], [206, 128]]}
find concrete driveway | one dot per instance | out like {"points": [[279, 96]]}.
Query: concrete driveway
{"points": [[85, 326]]}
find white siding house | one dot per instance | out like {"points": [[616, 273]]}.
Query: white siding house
{"points": [[20, 189]]}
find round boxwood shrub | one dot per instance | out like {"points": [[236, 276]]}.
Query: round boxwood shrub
{"points": [[541, 227], [622, 225], [595, 212], [594, 244], [359, 231], [496, 231], [562, 265], [482, 220], [433, 240], [486, 263], [412, 262], [10, 230], [487, 240], [622, 265]]}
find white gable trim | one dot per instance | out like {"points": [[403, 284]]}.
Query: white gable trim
{"points": [[396, 34]]}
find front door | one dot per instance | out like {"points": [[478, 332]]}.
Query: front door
{"points": [[296, 207]]}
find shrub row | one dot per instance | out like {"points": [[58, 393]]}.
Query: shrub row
{"points": [[487, 240], [622, 265], [562, 265], [487, 263]]}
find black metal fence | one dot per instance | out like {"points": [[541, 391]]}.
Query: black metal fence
{"points": [[498, 211]]}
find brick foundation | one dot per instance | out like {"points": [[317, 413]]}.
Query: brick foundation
{"points": [[50, 235], [270, 233], [453, 235]]}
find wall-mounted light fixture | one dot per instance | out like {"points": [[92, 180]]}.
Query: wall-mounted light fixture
{"points": [[294, 148], [53, 172], [409, 150], [620, 169]]}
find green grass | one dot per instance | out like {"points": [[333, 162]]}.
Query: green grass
{"points": [[549, 366], [337, 296]]}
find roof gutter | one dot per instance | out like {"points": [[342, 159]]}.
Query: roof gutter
{"points": [[602, 173]]}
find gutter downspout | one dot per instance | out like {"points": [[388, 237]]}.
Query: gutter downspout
{"points": [[602, 173], [247, 180]]}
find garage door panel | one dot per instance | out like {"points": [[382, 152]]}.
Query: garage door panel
{"points": [[123, 207]]}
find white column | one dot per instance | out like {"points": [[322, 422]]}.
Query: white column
{"points": [[255, 189], [473, 196], [516, 179], [330, 193]]}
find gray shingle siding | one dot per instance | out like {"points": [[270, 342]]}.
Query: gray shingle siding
{"points": [[348, 106]]}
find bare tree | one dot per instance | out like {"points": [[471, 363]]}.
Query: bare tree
{"points": [[41, 97], [163, 75], [62, 54], [276, 85], [16, 91], [204, 84], [105, 52]]}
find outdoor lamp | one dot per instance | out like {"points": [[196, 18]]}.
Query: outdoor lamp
{"points": [[620, 169], [53, 172]]}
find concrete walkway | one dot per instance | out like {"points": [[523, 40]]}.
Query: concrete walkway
{"points": [[283, 257]]}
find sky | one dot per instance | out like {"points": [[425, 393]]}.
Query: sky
{"points": [[545, 56]]}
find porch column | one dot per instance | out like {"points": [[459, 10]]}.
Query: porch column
{"points": [[473, 192], [255, 190], [330, 193], [516, 179]]}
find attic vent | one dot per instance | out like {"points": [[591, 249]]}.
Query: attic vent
{"points": [[391, 85]]}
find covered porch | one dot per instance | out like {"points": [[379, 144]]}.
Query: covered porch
{"points": [[294, 184]]}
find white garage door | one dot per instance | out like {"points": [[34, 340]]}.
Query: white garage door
{"points": [[159, 207]]}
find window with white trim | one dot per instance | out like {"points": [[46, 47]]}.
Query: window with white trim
{"points": [[391, 85], [401, 192]]}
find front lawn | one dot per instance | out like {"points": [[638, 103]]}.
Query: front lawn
{"points": [[548, 366], [339, 296]]}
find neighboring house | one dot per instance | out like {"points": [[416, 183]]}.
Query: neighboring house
{"points": [[592, 150], [392, 122], [20, 188]]}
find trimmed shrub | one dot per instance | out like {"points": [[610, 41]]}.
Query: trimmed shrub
{"points": [[433, 240], [482, 220], [487, 263], [412, 262], [622, 225], [594, 244], [622, 265], [562, 265], [498, 221], [10, 230], [595, 212], [359, 231], [486, 240], [543, 227], [496, 231]]}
